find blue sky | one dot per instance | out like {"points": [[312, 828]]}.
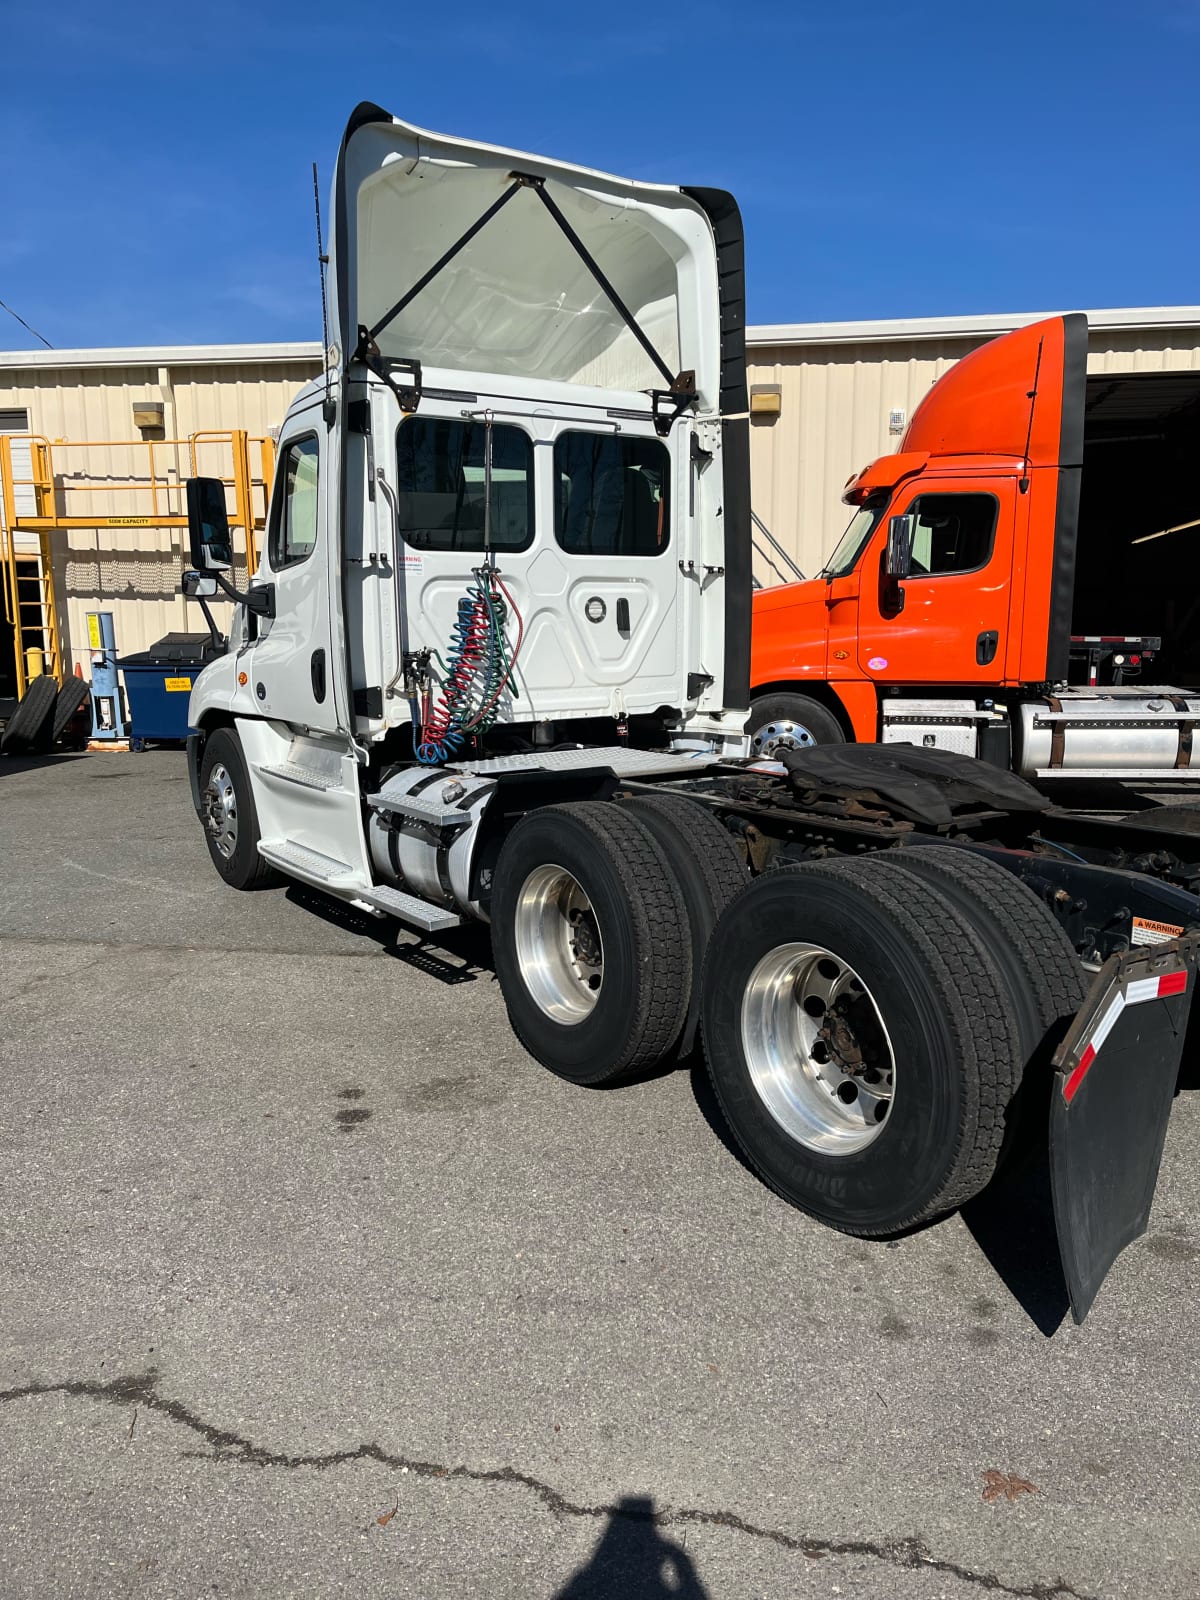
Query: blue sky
{"points": [[891, 159]]}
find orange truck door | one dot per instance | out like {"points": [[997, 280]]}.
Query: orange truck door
{"points": [[953, 623], [1020, 400]]}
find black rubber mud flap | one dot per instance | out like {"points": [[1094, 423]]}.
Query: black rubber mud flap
{"points": [[1115, 1078]]}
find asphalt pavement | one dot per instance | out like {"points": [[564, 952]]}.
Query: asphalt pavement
{"points": [[312, 1283]]}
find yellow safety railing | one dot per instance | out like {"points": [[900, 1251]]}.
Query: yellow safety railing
{"points": [[31, 608]]}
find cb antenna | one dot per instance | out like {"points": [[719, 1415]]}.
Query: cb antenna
{"points": [[329, 409], [1031, 396]]}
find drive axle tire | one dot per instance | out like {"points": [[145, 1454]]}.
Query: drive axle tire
{"points": [[861, 1043], [1027, 941], [30, 724], [1042, 972], [591, 941], [708, 867], [788, 721], [228, 814]]}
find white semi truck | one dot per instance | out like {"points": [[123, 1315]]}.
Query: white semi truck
{"points": [[495, 665]]}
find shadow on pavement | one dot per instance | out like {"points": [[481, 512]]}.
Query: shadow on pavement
{"points": [[1012, 1222], [459, 955], [709, 1107], [10, 765], [633, 1561], [1189, 1065]]}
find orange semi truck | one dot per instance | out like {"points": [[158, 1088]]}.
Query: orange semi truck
{"points": [[1004, 588]]}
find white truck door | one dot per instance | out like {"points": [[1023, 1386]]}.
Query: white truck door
{"points": [[606, 597], [290, 661]]}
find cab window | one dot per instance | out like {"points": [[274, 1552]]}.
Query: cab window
{"points": [[954, 533], [440, 472], [294, 519], [612, 495], [854, 541]]}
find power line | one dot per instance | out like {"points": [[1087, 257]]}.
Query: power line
{"points": [[26, 326]]}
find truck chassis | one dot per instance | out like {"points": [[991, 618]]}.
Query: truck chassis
{"points": [[907, 968]]}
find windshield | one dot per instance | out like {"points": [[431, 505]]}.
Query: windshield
{"points": [[853, 542]]}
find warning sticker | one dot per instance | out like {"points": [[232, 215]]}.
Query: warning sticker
{"points": [[1147, 932], [176, 685], [94, 630]]}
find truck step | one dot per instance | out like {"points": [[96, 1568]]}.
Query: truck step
{"points": [[409, 908], [295, 858], [306, 777], [420, 808]]}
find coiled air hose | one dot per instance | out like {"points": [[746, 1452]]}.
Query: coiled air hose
{"points": [[478, 669], [478, 665]]}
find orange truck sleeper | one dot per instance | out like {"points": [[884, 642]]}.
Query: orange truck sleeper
{"points": [[948, 613]]}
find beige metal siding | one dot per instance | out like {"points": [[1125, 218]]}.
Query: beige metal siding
{"points": [[1114, 350], [835, 403], [134, 572], [833, 420]]}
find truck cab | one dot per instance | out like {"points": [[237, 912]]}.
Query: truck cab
{"points": [[986, 575], [506, 566], [530, 371]]}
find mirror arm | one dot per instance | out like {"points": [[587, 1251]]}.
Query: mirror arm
{"points": [[260, 599], [214, 633]]}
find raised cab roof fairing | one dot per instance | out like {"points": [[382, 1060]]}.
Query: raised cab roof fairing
{"points": [[518, 300]]}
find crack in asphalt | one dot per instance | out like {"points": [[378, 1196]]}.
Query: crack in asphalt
{"points": [[140, 1390]]}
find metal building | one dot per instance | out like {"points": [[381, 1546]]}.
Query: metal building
{"points": [[117, 432], [826, 399]]}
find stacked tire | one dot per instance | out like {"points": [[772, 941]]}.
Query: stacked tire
{"points": [[43, 716]]}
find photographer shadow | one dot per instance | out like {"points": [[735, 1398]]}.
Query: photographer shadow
{"points": [[633, 1561]]}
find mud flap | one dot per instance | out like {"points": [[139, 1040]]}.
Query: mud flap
{"points": [[1115, 1077]]}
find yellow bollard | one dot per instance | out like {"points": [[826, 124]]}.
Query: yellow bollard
{"points": [[35, 662]]}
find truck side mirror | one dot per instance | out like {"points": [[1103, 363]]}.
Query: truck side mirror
{"points": [[199, 585], [900, 536], [208, 525]]}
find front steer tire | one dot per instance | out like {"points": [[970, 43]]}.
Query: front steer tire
{"points": [[226, 798], [585, 1021], [947, 1023], [785, 720]]}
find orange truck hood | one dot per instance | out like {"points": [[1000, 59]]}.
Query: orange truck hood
{"points": [[790, 626]]}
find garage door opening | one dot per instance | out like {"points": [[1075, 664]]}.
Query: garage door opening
{"points": [[1140, 436]]}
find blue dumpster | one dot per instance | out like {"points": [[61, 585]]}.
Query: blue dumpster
{"points": [[158, 684]]}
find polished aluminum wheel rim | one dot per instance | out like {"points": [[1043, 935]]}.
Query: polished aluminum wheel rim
{"points": [[781, 734], [220, 810], [819, 1055], [559, 948]]}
